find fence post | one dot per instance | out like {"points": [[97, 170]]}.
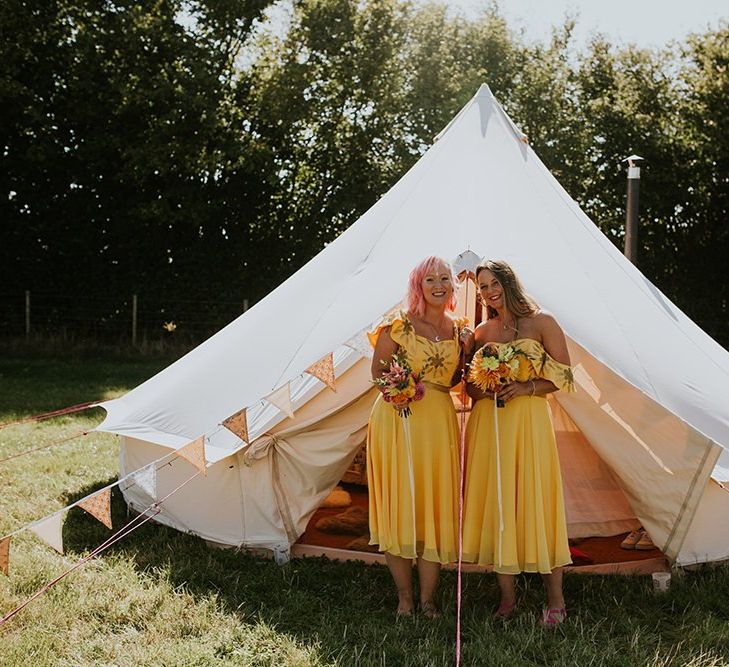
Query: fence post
{"points": [[27, 314], [134, 319]]}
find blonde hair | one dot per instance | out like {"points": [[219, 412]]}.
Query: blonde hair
{"points": [[516, 300]]}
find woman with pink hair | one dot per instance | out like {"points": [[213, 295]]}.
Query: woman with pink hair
{"points": [[413, 463]]}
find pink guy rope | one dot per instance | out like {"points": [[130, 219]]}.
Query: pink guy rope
{"points": [[128, 528], [461, 484], [53, 413], [42, 447]]}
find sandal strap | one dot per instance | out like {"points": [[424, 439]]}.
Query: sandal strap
{"points": [[551, 617]]}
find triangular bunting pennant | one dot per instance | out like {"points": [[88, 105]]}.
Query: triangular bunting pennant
{"points": [[281, 398], [50, 530], [144, 478], [360, 343], [99, 506], [194, 452], [5, 555], [238, 424], [324, 370]]}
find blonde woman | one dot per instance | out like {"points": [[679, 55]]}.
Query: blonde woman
{"points": [[514, 516]]}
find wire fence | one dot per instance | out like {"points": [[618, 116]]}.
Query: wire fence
{"points": [[117, 319], [138, 319]]}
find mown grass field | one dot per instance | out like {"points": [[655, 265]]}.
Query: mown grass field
{"points": [[160, 597]]}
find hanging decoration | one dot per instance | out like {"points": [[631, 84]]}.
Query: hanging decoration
{"points": [[281, 398], [5, 555], [145, 479], [99, 506], [323, 370], [50, 530], [238, 424], [194, 452], [360, 343]]}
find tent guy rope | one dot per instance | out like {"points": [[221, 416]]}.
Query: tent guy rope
{"points": [[129, 477], [54, 413], [116, 537], [461, 486], [42, 447]]}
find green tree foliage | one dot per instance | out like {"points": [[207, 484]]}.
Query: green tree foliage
{"points": [[162, 145], [121, 141], [327, 101], [700, 282]]}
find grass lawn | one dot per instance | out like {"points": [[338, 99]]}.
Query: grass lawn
{"points": [[160, 597]]}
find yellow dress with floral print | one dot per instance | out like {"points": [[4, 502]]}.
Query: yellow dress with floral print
{"points": [[515, 521], [434, 439]]}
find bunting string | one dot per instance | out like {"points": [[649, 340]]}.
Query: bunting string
{"points": [[129, 477], [128, 528], [132, 525]]}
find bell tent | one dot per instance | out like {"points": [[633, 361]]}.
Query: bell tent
{"points": [[643, 441]]}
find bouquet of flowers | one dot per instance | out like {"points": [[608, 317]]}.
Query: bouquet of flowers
{"points": [[493, 366], [400, 386]]}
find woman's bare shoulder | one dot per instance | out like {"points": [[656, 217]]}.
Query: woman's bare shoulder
{"points": [[486, 330], [544, 321]]}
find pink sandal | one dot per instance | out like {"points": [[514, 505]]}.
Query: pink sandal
{"points": [[551, 618]]}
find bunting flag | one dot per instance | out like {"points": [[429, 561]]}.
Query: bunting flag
{"points": [[324, 370], [281, 398], [99, 506], [238, 424], [144, 478], [50, 530], [360, 343], [194, 452], [5, 555]]}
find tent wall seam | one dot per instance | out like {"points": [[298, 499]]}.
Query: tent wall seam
{"points": [[690, 505]]}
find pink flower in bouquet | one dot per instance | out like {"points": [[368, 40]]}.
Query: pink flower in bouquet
{"points": [[419, 391], [400, 386]]}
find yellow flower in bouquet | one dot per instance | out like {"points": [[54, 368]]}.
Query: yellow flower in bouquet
{"points": [[492, 366]]}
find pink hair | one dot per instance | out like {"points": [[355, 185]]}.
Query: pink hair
{"points": [[415, 298]]}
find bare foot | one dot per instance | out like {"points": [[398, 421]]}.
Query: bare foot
{"points": [[429, 609], [404, 611]]}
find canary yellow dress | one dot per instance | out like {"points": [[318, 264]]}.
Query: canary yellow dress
{"points": [[434, 438], [523, 530]]}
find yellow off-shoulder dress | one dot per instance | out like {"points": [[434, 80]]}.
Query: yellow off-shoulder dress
{"points": [[520, 527], [434, 437]]}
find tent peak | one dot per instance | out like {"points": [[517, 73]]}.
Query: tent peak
{"points": [[484, 91]]}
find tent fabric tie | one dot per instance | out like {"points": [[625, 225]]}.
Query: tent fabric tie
{"points": [[270, 448], [258, 449]]}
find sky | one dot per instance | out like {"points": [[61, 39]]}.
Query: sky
{"points": [[646, 23]]}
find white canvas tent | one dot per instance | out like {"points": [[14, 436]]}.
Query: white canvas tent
{"points": [[644, 439]]}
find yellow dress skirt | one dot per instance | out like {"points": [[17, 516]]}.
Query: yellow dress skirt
{"points": [[514, 517], [413, 482]]}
